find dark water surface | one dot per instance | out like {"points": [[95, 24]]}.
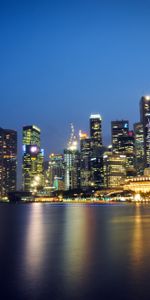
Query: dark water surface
{"points": [[74, 252]]}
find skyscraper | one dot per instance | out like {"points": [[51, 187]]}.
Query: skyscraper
{"points": [[55, 168], [126, 146], [96, 151], [139, 148], [85, 161], [145, 120], [118, 129], [8, 161], [96, 130], [33, 157], [72, 163]]}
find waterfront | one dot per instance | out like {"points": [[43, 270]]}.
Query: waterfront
{"points": [[74, 251]]}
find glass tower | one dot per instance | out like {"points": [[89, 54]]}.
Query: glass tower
{"points": [[33, 156], [139, 148], [72, 163], [96, 130], [85, 161], [118, 129]]}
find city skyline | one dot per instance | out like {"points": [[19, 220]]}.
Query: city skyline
{"points": [[79, 131], [84, 153]]}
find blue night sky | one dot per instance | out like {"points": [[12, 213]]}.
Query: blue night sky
{"points": [[60, 61]]}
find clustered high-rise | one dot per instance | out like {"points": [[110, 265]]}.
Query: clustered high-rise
{"points": [[86, 164]]}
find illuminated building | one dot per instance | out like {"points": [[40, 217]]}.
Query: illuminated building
{"points": [[33, 156], [96, 163], [55, 169], [118, 129], [114, 169], [8, 161], [58, 183], [72, 163], [96, 130], [91, 164], [139, 148], [85, 161], [96, 154], [145, 120], [126, 147], [138, 185]]}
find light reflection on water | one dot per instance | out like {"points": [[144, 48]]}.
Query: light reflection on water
{"points": [[34, 247], [75, 252], [77, 244]]}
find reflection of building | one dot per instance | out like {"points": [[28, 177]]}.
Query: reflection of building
{"points": [[96, 130], [119, 129], [114, 168], [72, 163], [139, 148], [33, 157], [145, 120], [8, 161]]}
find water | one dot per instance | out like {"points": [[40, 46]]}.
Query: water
{"points": [[67, 252]]}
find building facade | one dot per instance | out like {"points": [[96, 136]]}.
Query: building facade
{"points": [[145, 120], [55, 169], [96, 157], [119, 129], [139, 148], [96, 130], [85, 161], [72, 163], [114, 168], [8, 161], [72, 169], [33, 157], [126, 146]]}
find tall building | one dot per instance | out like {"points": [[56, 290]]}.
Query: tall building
{"points": [[126, 146], [145, 120], [96, 130], [96, 163], [72, 163], [114, 168], [139, 148], [118, 129], [96, 151], [33, 156], [55, 169], [85, 161], [72, 169], [8, 161]]}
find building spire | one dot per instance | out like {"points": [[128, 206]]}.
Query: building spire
{"points": [[72, 143]]}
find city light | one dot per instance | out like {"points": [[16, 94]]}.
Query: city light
{"points": [[87, 164]]}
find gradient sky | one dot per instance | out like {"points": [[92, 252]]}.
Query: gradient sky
{"points": [[62, 60]]}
